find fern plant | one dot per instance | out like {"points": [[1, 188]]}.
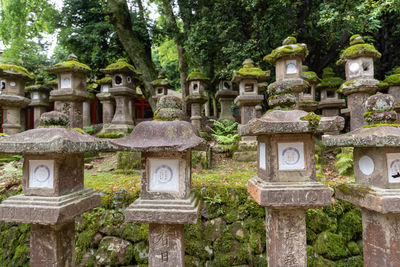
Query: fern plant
{"points": [[225, 134], [344, 163]]}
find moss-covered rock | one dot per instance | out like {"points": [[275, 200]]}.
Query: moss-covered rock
{"points": [[114, 251], [350, 225], [318, 221], [356, 261], [331, 246], [353, 248]]}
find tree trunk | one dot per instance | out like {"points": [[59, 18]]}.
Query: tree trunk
{"points": [[182, 63], [120, 18]]}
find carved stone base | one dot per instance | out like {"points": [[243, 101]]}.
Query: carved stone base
{"points": [[381, 239], [48, 210], [52, 246], [286, 238], [178, 211], [166, 245], [289, 195]]}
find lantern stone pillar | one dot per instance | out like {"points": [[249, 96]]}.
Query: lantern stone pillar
{"points": [[161, 86], [377, 180], [307, 98], [72, 91], [106, 99], [166, 201], [286, 183], [360, 83], [225, 96], [53, 188], [12, 96], [39, 99], [124, 81], [249, 100], [197, 82]]}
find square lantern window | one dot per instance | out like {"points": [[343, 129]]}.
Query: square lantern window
{"points": [[118, 80], [35, 95], [160, 91], [330, 94], [105, 88], [286, 157], [66, 81], [167, 175], [360, 68], [248, 87], [291, 66], [194, 87]]}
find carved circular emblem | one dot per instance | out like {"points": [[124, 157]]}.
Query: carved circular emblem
{"points": [[395, 169], [13, 84], [164, 174], [291, 155], [354, 67], [41, 173], [366, 165], [291, 68]]}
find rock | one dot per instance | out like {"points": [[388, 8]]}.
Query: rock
{"points": [[114, 251], [88, 259], [350, 225], [97, 238], [108, 170], [331, 246], [88, 166]]}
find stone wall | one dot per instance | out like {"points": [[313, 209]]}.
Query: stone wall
{"points": [[230, 232]]}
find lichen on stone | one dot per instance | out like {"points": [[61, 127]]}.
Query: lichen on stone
{"points": [[17, 69], [358, 191], [289, 48], [313, 120]]}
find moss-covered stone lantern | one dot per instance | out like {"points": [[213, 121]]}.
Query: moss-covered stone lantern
{"points": [[106, 99], [161, 86], [393, 82], [39, 99], [12, 96], [125, 78], [53, 188], [225, 95], [71, 91], [377, 180], [307, 98], [166, 201], [197, 83], [286, 184], [358, 59], [248, 77]]}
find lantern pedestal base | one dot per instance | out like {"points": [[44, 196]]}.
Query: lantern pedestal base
{"points": [[48, 210], [163, 211], [52, 245]]}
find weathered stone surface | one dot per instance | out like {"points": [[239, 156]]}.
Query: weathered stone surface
{"points": [[288, 121], [52, 246], [114, 251], [299, 195], [48, 210], [225, 98], [177, 211], [245, 156], [286, 238], [166, 245], [373, 198], [161, 136]]}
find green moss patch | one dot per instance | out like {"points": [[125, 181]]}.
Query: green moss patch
{"points": [[310, 76], [121, 64], [72, 64], [380, 125], [252, 72], [17, 69], [358, 50], [313, 120], [111, 135], [197, 75], [355, 190], [393, 79], [331, 82], [292, 50], [106, 80]]}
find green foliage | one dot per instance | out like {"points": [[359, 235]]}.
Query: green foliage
{"points": [[90, 130], [225, 133], [111, 135], [224, 127], [344, 162], [128, 160]]}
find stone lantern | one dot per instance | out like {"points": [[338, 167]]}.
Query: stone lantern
{"points": [[377, 180], [286, 184], [106, 99], [71, 91], [330, 102], [39, 99], [12, 96], [393, 81], [166, 200], [248, 77], [53, 188], [225, 95], [197, 82], [124, 81], [161, 86], [307, 98], [360, 83]]}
